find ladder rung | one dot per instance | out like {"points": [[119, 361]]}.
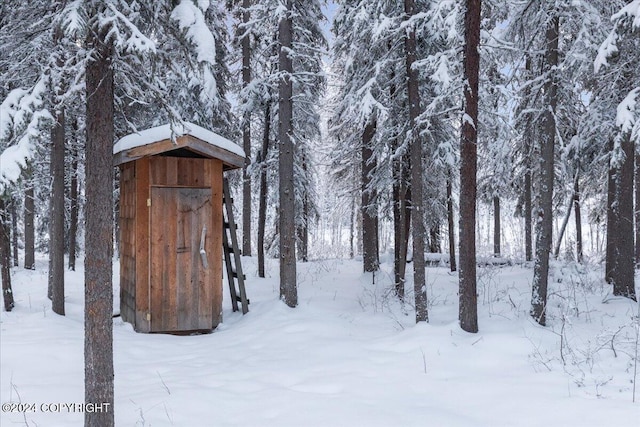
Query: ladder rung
{"points": [[235, 274], [226, 225], [240, 300], [229, 200]]}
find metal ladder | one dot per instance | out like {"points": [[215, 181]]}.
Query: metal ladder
{"points": [[230, 246]]}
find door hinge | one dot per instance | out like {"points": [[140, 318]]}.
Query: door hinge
{"points": [[148, 317], [148, 202]]}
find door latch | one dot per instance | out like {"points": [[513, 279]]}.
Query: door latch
{"points": [[203, 252]]}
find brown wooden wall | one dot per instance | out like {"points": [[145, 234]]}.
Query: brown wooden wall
{"points": [[137, 179], [127, 242]]}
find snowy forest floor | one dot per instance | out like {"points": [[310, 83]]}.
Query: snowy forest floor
{"points": [[349, 355]]}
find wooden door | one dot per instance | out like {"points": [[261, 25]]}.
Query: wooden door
{"points": [[181, 288]]}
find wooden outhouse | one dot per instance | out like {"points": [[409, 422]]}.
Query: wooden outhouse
{"points": [[171, 224]]}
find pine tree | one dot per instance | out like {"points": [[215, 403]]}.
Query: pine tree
{"points": [[245, 42], [288, 285], [415, 147], [364, 50], [99, 221], [57, 160], [620, 235], [5, 257], [468, 165]]}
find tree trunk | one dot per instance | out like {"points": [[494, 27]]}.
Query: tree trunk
{"points": [[288, 285], [611, 219], [450, 221], [576, 201], [398, 237], [14, 231], [5, 256], [637, 212], [415, 147], [544, 223], [303, 225], [468, 165], [56, 222], [29, 224], [369, 204], [434, 239], [246, 137], [623, 271], [496, 226], [352, 227], [400, 219], [73, 196], [528, 208], [99, 228], [262, 208]]}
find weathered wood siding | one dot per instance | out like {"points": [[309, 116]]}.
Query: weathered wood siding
{"points": [[214, 169], [142, 244], [127, 242]]}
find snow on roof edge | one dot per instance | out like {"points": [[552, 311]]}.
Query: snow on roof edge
{"points": [[159, 133]]}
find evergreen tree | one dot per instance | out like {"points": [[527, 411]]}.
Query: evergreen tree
{"points": [[468, 166], [99, 220], [622, 86]]}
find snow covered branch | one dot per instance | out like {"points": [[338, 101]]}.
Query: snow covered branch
{"points": [[20, 118]]}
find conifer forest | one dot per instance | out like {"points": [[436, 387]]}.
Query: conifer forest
{"points": [[320, 212]]}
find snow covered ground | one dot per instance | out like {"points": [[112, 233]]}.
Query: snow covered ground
{"points": [[349, 355]]}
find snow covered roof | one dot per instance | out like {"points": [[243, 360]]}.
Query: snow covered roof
{"points": [[187, 136]]}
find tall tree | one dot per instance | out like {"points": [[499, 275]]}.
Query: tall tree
{"points": [[496, 226], [73, 198], [14, 231], [56, 223], [369, 204], [29, 224], [287, 226], [620, 236], [262, 203], [544, 222], [623, 271], [578, 218], [246, 131], [450, 222], [637, 209], [609, 263], [99, 219], [527, 207], [370, 120], [415, 144], [5, 256], [468, 165]]}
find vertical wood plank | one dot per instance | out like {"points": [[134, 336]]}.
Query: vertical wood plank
{"points": [[184, 257], [169, 219], [127, 242], [171, 170], [183, 171], [141, 243], [202, 277], [214, 178]]}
